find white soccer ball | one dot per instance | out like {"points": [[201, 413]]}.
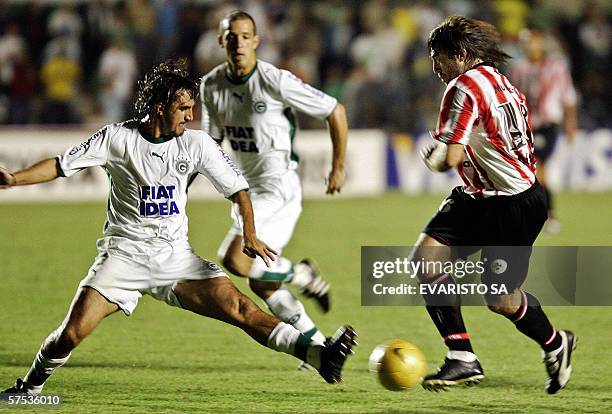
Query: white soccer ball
{"points": [[435, 159], [398, 365]]}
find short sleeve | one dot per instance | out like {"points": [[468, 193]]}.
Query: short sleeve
{"points": [[303, 97], [457, 116], [220, 170], [90, 153]]}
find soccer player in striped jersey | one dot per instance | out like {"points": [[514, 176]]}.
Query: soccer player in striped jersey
{"points": [[151, 160], [251, 104], [484, 124], [547, 83]]}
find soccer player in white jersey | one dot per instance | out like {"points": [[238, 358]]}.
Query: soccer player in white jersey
{"points": [[545, 79], [151, 160], [484, 125], [251, 103]]}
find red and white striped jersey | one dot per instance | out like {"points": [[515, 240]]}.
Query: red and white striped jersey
{"points": [[489, 116], [548, 87]]}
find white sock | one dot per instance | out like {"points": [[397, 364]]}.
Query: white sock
{"points": [[288, 309], [464, 356], [280, 270], [285, 338]]}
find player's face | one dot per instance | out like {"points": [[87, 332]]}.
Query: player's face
{"points": [[179, 113], [446, 67], [240, 42]]}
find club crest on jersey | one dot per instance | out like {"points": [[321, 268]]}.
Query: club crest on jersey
{"points": [[182, 166], [260, 107]]}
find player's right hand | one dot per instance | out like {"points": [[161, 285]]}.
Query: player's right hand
{"points": [[256, 247], [6, 178]]}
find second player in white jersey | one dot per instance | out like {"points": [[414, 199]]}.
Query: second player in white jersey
{"points": [[251, 104], [256, 114]]}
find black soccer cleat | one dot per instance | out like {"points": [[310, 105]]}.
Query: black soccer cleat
{"points": [[452, 373], [22, 387], [335, 352], [317, 288], [559, 367]]}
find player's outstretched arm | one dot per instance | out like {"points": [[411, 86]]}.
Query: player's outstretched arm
{"points": [[252, 245], [338, 130], [41, 172]]}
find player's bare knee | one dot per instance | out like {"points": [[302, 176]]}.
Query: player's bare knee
{"points": [[234, 265]]}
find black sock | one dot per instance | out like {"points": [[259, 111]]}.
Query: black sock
{"points": [[445, 311], [549, 200], [531, 320]]}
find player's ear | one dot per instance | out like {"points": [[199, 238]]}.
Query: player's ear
{"points": [[255, 41], [159, 109], [220, 40]]}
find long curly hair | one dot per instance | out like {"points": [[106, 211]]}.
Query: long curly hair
{"points": [[162, 85], [479, 40]]}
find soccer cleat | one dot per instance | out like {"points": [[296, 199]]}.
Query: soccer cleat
{"points": [[558, 366], [317, 288], [452, 373], [22, 387], [335, 352]]}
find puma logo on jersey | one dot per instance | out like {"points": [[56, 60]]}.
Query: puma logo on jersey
{"points": [[161, 157], [238, 95]]}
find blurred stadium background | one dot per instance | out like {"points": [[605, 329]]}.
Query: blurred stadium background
{"points": [[74, 65], [56, 88]]}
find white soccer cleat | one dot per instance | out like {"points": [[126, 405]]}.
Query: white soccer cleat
{"points": [[558, 365]]}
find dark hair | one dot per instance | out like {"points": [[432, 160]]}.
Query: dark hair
{"points": [[162, 85], [234, 15], [479, 40]]}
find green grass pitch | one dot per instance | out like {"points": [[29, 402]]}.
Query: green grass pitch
{"points": [[163, 359]]}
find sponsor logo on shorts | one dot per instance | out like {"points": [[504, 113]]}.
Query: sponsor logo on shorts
{"points": [[212, 266], [446, 205]]}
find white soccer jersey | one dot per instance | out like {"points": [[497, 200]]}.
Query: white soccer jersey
{"points": [[255, 114], [149, 177], [484, 112]]}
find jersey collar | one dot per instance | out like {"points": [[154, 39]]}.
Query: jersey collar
{"points": [[239, 80], [156, 140]]}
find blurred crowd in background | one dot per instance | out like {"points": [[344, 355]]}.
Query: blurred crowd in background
{"points": [[69, 62]]}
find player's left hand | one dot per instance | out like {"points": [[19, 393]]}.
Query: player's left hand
{"points": [[335, 181], [254, 247]]}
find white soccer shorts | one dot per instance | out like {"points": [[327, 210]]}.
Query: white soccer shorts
{"points": [[277, 205], [124, 270]]}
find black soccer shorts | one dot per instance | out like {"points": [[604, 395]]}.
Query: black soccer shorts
{"points": [[503, 227]]}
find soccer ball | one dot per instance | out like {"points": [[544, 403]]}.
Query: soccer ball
{"points": [[398, 365]]}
